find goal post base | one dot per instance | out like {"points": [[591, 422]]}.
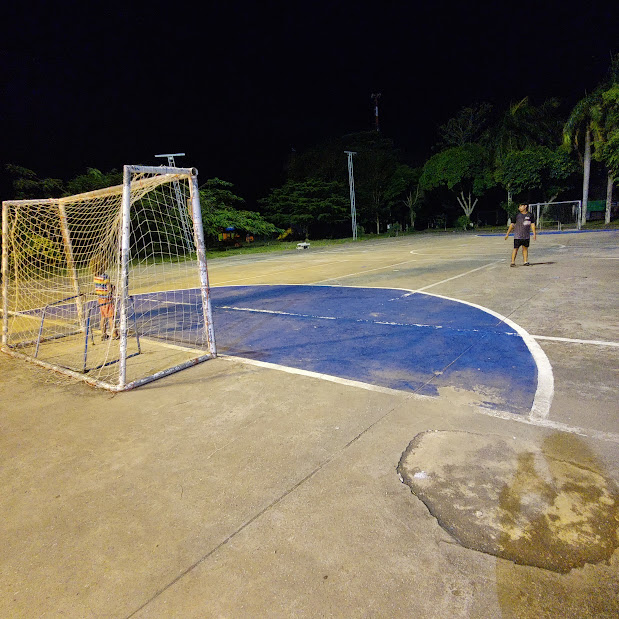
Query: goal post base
{"points": [[101, 384]]}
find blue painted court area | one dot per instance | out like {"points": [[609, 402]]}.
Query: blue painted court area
{"points": [[386, 337], [391, 338]]}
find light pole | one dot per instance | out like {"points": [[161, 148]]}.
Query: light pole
{"points": [[351, 182], [376, 97]]}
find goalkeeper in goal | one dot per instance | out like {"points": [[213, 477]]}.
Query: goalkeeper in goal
{"points": [[104, 291], [522, 227]]}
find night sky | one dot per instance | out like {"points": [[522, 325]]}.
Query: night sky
{"points": [[237, 87]]}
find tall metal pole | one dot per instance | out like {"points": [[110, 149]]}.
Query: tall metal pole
{"points": [[351, 182], [376, 97]]}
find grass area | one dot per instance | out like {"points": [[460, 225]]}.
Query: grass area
{"points": [[272, 246], [279, 246], [600, 225]]}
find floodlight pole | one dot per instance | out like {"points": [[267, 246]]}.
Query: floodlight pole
{"points": [[179, 198], [376, 97], [351, 182]]}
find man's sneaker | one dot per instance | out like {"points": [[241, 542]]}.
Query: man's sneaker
{"points": [[526, 264]]}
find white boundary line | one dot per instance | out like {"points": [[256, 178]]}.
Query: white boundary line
{"points": [[327, 377], [545, 379], [553, 425], [573, 341], [330, 279], [407, 395], [462, 275]]}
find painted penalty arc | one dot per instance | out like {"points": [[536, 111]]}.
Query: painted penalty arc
{"points": [[544, 391]]}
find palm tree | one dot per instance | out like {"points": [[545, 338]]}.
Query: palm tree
{"points": [[607, 145], [595, 120], [583, 126]]}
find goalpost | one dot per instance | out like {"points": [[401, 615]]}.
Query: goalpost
{"points": [[109, 286], [557, 214]]}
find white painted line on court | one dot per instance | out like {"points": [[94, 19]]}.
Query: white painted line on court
{"points": [[574, 341], [406, 395], [553, 425], [277, 312], [321, 263], [444, 254], [327, 377], [388, 266], [250, 277], [387, 323], [456, 277], [179, 347], [545, 379]]}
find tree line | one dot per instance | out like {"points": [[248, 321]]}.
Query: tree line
{"points": [[524, 153]]}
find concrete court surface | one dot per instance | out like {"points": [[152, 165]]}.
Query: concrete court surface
{"points": [[236, 489]]}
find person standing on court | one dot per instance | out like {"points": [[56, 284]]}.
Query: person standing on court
{"points": [[522, 227]]}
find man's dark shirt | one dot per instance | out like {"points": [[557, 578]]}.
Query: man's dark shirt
{"points": [[522, 225]]}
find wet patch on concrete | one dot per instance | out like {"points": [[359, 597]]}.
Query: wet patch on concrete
{"points": [[532, 504]]}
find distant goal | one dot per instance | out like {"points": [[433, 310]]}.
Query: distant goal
{"points": [[557, 215], [109, 286]]}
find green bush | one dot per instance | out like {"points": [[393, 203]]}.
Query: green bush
{"points": [[464, 222], [511, 208]]}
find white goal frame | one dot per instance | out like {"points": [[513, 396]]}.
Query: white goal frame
{"points": [[135, 185], [537, 208]]}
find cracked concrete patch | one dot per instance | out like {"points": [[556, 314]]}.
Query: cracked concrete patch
{"points": [[532, 504]]}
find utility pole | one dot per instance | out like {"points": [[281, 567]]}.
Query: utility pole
{"points": [[351, 182], [376, 97], [183, 212]]}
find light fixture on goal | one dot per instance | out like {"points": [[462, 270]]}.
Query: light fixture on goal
{"points": [[108, 286]]}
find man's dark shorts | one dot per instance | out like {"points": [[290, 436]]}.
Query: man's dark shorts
{"points": [[521, 243]]}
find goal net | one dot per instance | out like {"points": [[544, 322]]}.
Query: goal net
{"points": [[109, 286], [556, 215]]}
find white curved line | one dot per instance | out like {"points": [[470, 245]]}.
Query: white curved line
{"points": [[328, 377], [545, 379]]}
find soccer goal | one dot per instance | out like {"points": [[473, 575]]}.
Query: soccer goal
{"points": [[109, 286], [557, 215]]}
